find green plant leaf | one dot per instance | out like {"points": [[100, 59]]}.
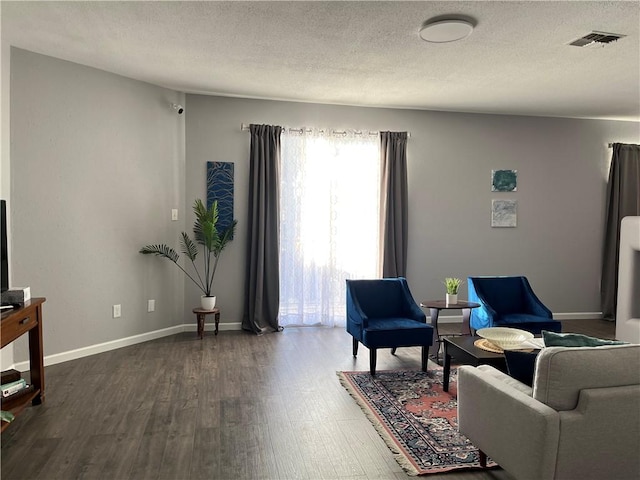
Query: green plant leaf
{"points": [[204, 217], [161, 251], [225, 238], [452, 285], [199, 209], [189, 248], [205, 233]]}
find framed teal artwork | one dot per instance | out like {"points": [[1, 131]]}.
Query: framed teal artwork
{"points": [[504, 180]]}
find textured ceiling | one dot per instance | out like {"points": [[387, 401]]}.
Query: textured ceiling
{"points": [[517, 61]]}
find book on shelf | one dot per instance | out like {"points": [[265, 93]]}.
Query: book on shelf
{"points": [[8, 401], [9, 376], [12, 388]]}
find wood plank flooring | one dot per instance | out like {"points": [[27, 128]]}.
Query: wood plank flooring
{"points": [[235, 406]]}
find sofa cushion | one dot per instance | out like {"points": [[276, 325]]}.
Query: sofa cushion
{"points": [[552, 339], [504, 294], [562, 372], [506, 379], [517, 318], [530, 323], [379, 298], [521, 365], [396, 332]]}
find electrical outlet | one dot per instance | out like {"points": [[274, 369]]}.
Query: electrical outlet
{"points": [[117, 311], [151, 305], [174, 214]]}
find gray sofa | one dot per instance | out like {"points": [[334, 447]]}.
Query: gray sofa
{"points": [[581, 419]]}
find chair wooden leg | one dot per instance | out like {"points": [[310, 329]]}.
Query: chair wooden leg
{"points": [[425, 358], [355, 346], [483, 458], [393, 351], [373, 354]]}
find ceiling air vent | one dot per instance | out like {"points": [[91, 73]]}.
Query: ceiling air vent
{"points": [[596, 38]]}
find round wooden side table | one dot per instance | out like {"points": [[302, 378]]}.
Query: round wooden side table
{"points": [[435, 306], [201, 315]]}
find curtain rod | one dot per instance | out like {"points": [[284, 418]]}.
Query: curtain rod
{"points": [[245, 128]]}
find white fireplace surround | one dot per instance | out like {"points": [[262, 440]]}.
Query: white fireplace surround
{"points": [[628, 309]]}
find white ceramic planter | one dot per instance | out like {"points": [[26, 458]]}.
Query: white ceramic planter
{"points": [[207, 303], [452, 298]]}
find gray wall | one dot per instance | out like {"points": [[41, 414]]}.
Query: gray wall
{"points": [[98, 161], [6, 354], [562, 169], [97, 164]]}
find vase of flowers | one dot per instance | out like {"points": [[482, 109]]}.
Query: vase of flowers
{"points": [[206, 234], [452, 284]]}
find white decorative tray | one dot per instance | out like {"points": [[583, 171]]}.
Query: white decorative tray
{"points": [[504, 337]]}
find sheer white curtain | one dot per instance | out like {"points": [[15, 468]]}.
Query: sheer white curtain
{"points": [[329, 222]]}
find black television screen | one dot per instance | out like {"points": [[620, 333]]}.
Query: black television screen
{"points": [[5, 247]]}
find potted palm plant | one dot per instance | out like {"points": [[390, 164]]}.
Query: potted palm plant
{"points": [[206, 233], [452, 284]]}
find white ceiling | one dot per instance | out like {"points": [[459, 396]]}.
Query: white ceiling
{"points": [[517, 60]]}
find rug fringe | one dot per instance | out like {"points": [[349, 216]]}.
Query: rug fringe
{"points": [[402, 459]]}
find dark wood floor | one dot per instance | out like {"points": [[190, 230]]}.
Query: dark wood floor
{"points": [[235, 406]]}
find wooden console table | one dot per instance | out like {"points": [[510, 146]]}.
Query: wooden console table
{"points": [[15, 323]]}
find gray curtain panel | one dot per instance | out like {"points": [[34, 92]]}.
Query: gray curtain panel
{"points": [[394, 205], [262, 286], [623, 200]]}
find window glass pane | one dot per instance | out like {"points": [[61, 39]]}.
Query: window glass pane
{"points": [[329, 228]]}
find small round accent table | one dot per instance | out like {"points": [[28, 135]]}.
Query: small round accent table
{"points": [[201, 314], [435, 306]]}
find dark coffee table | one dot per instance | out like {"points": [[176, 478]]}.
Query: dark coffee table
{"points": [[466, 353]]}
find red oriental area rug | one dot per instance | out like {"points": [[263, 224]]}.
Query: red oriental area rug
{"points": [[416, 418]]}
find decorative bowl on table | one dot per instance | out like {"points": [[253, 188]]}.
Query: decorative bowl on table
{"points": [[504, 337]]}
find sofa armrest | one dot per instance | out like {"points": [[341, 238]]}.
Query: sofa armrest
{"points": [[412, 310], [534, 305], [355, 314], [485, 315], [601, 437], [519, 433]]}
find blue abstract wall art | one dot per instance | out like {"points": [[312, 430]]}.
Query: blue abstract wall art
{"points": [[220, 188], [504, 180]]}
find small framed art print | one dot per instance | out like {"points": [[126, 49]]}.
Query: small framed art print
{"points": [[504, 213]]}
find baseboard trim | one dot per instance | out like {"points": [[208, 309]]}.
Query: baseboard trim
{"points": [[577, 316], [209, 327], [122, 342], [556, 316]]}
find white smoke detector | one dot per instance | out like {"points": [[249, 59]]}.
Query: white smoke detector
{"points": [[444, 31]]}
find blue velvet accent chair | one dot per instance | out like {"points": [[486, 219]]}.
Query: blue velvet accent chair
{"points": [[508, 302], [382, 313]]}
